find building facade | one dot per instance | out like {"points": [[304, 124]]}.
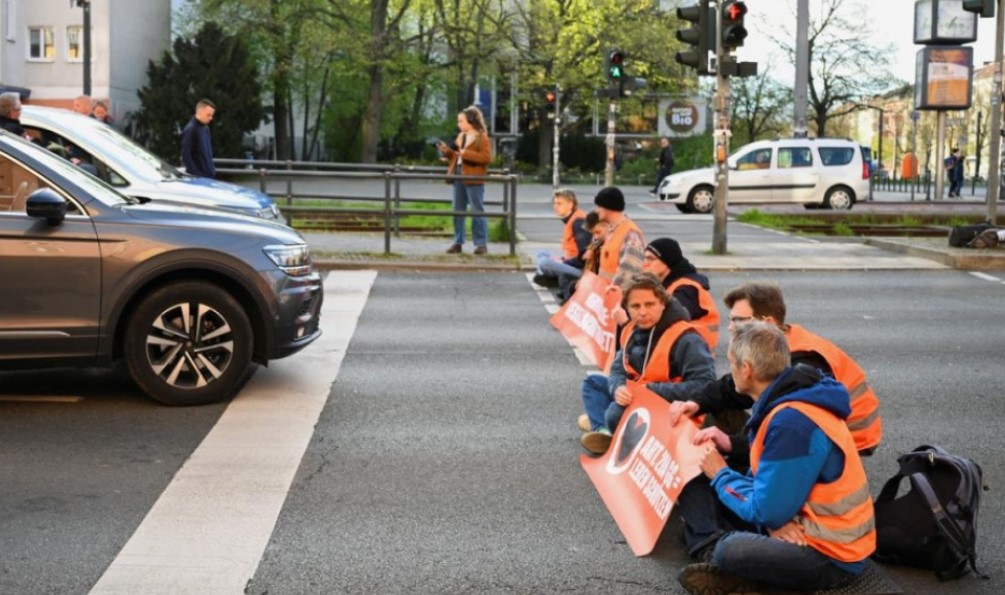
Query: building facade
{"points": [[42, 50]]}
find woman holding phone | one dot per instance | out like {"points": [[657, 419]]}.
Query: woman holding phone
{"points": [[473, 154]]}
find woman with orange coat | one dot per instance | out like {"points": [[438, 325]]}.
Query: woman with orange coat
{"points": [[473, 154]]}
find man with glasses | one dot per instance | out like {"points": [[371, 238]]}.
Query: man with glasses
{"points": [[761, 301]]}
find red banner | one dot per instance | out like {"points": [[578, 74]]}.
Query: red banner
{"points": [[645, 469], [585, 320]]}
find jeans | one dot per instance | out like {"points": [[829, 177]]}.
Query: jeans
{"points": [[475, 195], [550, 267], [741, 551], [599, 404]]}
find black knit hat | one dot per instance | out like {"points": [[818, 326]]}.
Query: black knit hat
{"points": [[667, 250], [610, 198]]}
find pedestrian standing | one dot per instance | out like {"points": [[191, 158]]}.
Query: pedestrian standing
{"points": [[952, 163], [665, 161], [472, 157], [196, 143]]}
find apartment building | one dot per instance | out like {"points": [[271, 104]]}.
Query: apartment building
{"points": [[42, 49]]}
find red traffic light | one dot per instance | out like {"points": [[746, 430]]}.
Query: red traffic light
{"points": [[550, 97], [736, 10]]}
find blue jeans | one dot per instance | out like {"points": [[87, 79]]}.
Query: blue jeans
{"points": [[741, 551], [550, 267], [599, 404], [475, 195]]}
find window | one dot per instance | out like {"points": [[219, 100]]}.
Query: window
{"points": [[74, 43], [836, 155], [759, 159], [41, 44], [795, 157]]}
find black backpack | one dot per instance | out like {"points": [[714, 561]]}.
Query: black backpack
{"points": [[961, 235], [934, 524]]}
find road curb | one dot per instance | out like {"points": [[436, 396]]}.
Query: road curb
{"points": [[957, 258]]}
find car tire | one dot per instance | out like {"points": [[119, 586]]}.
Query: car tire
{"points": [[701, 200], [194, 362], [839, 198]]}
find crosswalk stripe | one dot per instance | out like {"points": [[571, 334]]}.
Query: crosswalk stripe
{"points": [[209, 528]]}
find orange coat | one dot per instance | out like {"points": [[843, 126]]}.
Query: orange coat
{"points": [[658, 365], [610, 254], [837, 518], [709, 321], [569, 246], [477, 157], [865, 423]]}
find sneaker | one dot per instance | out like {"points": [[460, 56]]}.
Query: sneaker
{"points": [[545, 280], [481, 250], [986, 239], [709, 579], [584, 422], [454, 249], [652, 193], [597, 442]]}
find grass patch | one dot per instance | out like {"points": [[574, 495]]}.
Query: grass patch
{"points": [[498, 228]]}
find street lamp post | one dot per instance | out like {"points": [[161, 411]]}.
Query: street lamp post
{"points": [[86, 5]]}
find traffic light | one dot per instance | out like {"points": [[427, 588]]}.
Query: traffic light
{"points": [[701, 35], [984, 8], [550, 97], [615, 66], [731, 17]]}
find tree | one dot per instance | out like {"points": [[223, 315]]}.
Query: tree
{"points": [[211, 65], [844, 68], [760, 108]]}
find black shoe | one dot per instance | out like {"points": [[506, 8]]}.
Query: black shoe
{"points": [[480, 250], [454, 249], [709, 579], [653, 192], [545, 280]]}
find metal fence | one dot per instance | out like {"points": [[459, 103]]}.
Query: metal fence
{"points": [[922, 187], [391, 208]]}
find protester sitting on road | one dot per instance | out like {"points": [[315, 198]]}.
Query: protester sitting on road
{"points": [[598, 230], [659, 348], [663, 258], [802, 517], [575, 239], [764, 302], [621, 255]]}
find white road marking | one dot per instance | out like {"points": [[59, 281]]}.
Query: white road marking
{"points": [[551, 305], [985, 276], [208, 531]]}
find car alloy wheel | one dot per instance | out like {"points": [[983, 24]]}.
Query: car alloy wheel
{"points": [[839, 199], [701, 200]]}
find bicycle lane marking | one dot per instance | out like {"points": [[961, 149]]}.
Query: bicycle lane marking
{"points": [[209, 529]]}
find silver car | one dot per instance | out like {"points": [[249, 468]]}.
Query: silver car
{"points": [[134, 171]]}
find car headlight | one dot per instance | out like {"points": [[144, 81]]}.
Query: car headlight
{"points": [[292, 259], [270, 212]]}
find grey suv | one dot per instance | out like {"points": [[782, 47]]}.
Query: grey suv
{"points": [[187, 297]]}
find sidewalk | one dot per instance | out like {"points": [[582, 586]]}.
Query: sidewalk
{"points": [[365, 251]]}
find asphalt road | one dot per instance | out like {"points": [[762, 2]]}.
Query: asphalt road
{"points": [[445, 457]]}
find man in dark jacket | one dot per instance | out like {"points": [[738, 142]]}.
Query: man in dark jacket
{"points": [[665, 161], [196, 144], [659, 324], [10, 114]]}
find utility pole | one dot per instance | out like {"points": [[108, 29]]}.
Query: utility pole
{"points": [[555, 164], [86, 5], [721, 140], [799, 124], [994, 164], [612, 112]]}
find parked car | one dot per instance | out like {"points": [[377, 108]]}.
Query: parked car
{"points": [[823, 172], [188, 297], [133, 170]]}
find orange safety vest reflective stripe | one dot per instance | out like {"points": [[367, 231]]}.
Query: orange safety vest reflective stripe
{"points": [[837, 517], [569, 246], [710, 321], [865, 423], [657, 367], [610, 253]]}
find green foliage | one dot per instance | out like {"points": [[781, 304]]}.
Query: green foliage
{"points": [[842, 229], [211, 65]]}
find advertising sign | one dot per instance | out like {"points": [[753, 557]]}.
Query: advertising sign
{"points": [[645, 469], [944, 78], [683, 117]]}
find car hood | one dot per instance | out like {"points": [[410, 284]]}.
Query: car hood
{"points": [[171, 215], [218, 190], [702, 173]]}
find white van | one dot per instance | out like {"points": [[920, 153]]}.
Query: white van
{"points": [[823, 172]]}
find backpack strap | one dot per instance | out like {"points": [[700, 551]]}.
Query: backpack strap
{"points": [[947, 526]]}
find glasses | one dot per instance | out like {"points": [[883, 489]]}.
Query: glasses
{"points": [[738, 319]]}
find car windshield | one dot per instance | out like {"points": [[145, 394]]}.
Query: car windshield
{"points": [[136, 152], [91, 184]]}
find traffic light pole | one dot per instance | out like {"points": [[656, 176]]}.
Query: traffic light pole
{"points": [[994, 164], [721, 144], [555, 164], [612, 112]]}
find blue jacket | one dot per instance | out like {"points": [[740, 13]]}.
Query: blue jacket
{"points": [[197, 150], [797, 454]]}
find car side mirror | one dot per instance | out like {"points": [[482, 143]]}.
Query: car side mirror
{"points": [[45, 203]]}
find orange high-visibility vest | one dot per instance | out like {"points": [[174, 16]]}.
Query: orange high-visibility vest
{"points": [[837, 518], [658, 366], [865, 423], [610, 253], [569, 246], [709, 321]]}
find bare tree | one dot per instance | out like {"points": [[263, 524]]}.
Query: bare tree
{"points": [[760, 106]]}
